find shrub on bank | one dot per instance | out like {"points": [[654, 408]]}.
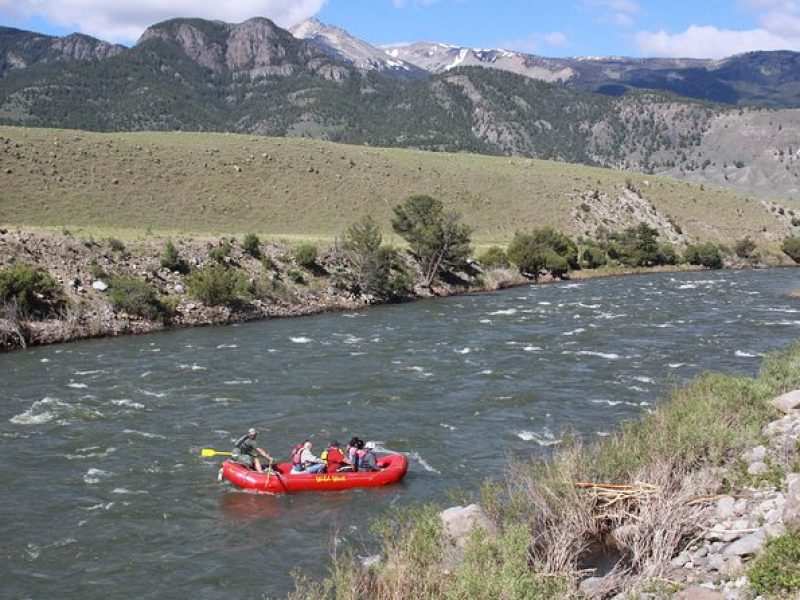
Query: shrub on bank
{"points": [[35, 293], [172, 260], [494, 258], [306, 255], [775, 573], [216, 285], [135, 297], [791, 246], [252, 245], [592, 257], [220, 253], [706, 254]]}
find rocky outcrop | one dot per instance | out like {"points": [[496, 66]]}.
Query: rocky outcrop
{"points": [[254, 48], [20, 49]]}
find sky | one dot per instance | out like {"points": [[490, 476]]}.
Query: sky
{"points": [[677, 28]]}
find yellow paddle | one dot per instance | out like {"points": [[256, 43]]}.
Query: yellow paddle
{"points": [[209, 452]]}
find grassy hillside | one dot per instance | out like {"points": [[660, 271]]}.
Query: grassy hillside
{"points": [[220, 183]]}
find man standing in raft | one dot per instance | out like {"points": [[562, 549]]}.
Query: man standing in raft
{"points": [[251, 453]]}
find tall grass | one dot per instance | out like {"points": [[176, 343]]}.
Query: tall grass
{"points": [[547, 526]]}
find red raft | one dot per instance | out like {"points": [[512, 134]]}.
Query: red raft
{"points": [[393, 469]]}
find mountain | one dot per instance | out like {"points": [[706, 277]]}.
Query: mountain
{"points": [[343, 47], [754, 78], [21, 49], [437, 58], [255, 48], [254, 77]]}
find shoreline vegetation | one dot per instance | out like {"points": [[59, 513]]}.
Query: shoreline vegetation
{"points": [[700, 499], [60, 287]]}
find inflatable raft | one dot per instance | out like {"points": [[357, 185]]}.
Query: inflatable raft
{"points": [[283, 481]]}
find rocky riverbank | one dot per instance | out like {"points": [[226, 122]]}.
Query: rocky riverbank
{"points": [[277, 284], [82, 268], [730, 530]]}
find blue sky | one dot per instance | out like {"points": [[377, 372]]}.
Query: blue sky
{"points": [[698, 28]]}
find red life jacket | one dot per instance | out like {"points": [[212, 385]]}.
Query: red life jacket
{"points": [[296, 452]]}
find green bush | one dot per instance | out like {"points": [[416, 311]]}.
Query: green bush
{"points": [[267, 263], [791, 246], [216, 285], [775, 572], [96, 270], [220, 253], [306, 255], [136, 297], [636, 246], [252, 245], [706, 254], [172, 260], [744, 248], [494, 258], [667, 255], [543, 248], [296, 276], [35, 292], [593, 257], [116, 245]]}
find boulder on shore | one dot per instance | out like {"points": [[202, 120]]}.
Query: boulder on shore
{"points": [[698, 592], [787, 402], [459, 521], [791, 510]]}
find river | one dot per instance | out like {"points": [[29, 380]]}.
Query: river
{"points": [[105, 493]]}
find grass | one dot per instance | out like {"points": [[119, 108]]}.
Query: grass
{"points": [[546, 526], [121, 184]]}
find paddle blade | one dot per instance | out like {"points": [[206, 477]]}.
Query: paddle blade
{"points": [[209, 452]]}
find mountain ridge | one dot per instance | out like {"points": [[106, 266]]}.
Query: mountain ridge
{"points": [[254, 77]]}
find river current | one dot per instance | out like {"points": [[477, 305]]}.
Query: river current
{"points": [[105, 493]]}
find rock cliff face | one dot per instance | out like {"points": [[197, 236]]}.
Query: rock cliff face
{"points": [[21, 49], [255, 48]]}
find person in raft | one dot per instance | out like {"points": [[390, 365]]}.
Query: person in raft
{"points": [[249, 453], [367, 460], [352, 453], [334, 458], [309, 463]]}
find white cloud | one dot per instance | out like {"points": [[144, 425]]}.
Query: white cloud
{"points": [[556, 39], [778, 28], [616, 12], [124, 20], [710, 42]]}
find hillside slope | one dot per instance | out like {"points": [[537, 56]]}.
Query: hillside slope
{"points": [[254, 77], [217, 183]]}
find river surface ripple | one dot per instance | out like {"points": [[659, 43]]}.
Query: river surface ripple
{"points": [[104, 491]]}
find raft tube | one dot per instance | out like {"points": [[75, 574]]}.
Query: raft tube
{"points": [[282, 481]]}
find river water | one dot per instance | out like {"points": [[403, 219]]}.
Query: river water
{"points": [[105, 493]]}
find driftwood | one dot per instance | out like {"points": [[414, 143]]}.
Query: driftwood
{"points": [[608, 495]]}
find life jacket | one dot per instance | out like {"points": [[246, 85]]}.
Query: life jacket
{"points": [[296, 452]]}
